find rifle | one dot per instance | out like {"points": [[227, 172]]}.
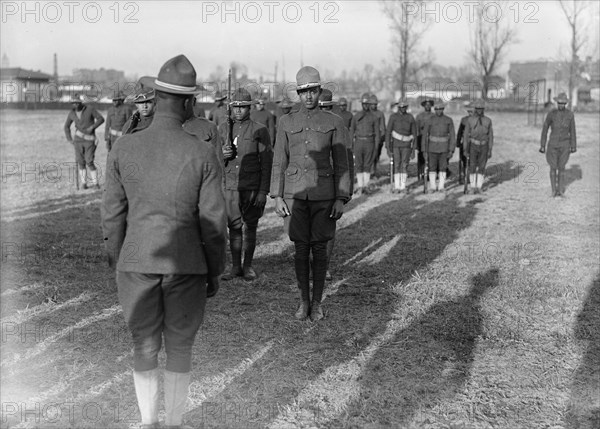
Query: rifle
{"points": [[392, 165], [229, 135], [466, 188], [425, 174]]}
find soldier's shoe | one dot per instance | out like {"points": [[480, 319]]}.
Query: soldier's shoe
{"points": [[232, 273], [316, 312], [328, 275], [250, 274], [303, 310], [358, 191]]}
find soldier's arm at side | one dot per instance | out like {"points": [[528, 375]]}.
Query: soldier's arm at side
{"points": [[467, 138], [388, 133], [265, 153], [339, 156], [573, 134], [107, 124], [452, 135], [414, 132], [98, 119], [67, 128], [280, 161], [213, 221], [544, 137], [377, 129], [114, 210], [491, 142]]}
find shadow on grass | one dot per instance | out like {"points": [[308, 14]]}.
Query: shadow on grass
{"points": [[382, 248], [572, 174], [584, 409]]}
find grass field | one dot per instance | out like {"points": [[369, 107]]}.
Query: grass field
{"points": [[445, 311]]}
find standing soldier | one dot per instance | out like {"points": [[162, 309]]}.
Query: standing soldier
{"points": [[562, 142], [142, 118], [400, 141], [247, 181], [462, 160], [478, 140], [164, 229], [422, 119], [365, 135], [86, 120], [264, 117], [204, 129], [310, 184], [116, 117], [381, 118], [439, 143], [218, 114], [344, 113]]}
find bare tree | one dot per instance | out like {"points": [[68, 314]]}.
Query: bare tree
{"points": [[408, 27], [574, 12], [491, 35]]}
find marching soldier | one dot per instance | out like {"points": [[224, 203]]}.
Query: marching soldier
{"points": [[381, 117], [218, 114], [400, 142], [247, 181], [365, 134], [562, 142], [86, 119], [439, 143], [422, 119], [164, 229], [116, 117], [462, 160], [310, 184], [264, 117], [478, 141], [142, 118], [344, 113]]}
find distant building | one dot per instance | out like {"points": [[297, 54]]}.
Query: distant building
{"points": [[20, 85]]}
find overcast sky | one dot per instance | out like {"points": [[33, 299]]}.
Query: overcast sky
{"points": [[138, 37]]}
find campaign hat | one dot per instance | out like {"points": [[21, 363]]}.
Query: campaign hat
{"points": [[561, 98], [176, 76], [478, 104], [307, 77], [428, 100], [144, 95], [439, 106], [326, 98], [241, 97]]}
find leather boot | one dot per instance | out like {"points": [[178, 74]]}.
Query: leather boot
{"points": [[560, 185], [146, 391], [330, 245], [83, 178], [235, 245], [249, 246], [319, 272], [302, 268], [94, 179], [176, 392]]}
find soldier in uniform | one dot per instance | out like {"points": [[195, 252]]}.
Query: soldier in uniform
{"points": [[462, 160], [264, 117], [365, 135], [438, 143], [422, 119], [478, 141], [562, 142], [86, 119], [145, 103], [400, 142], [164, 226], [204, 129], [116, 117], [373, 101], [247, 181], [218, 114], [310, 184], [344, 113]]}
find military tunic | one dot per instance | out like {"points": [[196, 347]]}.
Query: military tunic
{"points": [[563, 137], [400, 139], [267, 119], [365, 133], [116, 118], [218, 115], [84, 139], [439, 141], [137, 123], [478, 141]]}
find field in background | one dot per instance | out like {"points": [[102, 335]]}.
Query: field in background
{"points": [[446, 311]]}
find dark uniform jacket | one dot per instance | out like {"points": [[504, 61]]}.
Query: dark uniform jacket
{"points": [[88, 117], [206, 131], [404, 124], [365, 124], [478, 128], [218, 115], [562, 124], [310, 157], [461, 130], [346, 117], [381, 117], [422, 119], [163, 210], [137, 123], [251, 168], [116, 117], [439, 135], [266, 118]]}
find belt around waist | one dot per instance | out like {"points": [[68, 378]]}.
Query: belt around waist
{"points": [[401, 137], [366, 137], [478, 142], [116, 133], [88, 137], [438, 139]]}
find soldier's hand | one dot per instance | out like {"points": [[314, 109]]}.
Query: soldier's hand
{"points": [[573, 149], [212, 286], [542, 150], [412, 154], [450, 155], [337, 210], [281, 207], [89, 130], [489, 154], [260, 200]]}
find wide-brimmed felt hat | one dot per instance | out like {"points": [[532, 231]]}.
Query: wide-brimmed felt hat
{"points": [[220, 96], [373, 99], [478, 104], [561, 98], [468, 106], [285, 103], [118, 95], [439, 106], [77, 98], [326, 98], [343, 102], [365, 98], [144, 95], [262, 100], [241, 97], [176, 76], [402, 103], [307, 77], [428, 100]]}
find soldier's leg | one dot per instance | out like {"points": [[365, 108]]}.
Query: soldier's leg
{"points": [[80, 160], [359, 166], [330, 245], [481, 164], [397, 159], [552, 160], [90, 153], [473, 155], [433, 163], [443, 163], [234, 224], [404, 160], [250, 215], [297, 225], [420, 160], [563, 158]]}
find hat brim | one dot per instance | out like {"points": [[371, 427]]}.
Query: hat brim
{"points": [[326, 103], [307, 86], [220, 98], [427, 101], [241, 103], [153, 82], [561, 100]]}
